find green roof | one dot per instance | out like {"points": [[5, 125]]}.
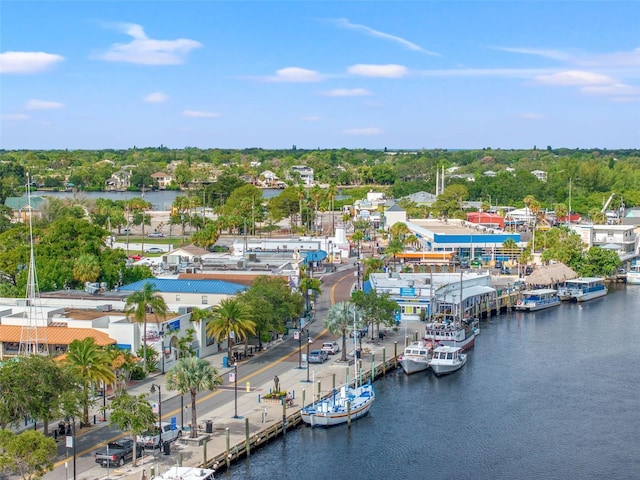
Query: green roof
{"points": [[22, 203]]}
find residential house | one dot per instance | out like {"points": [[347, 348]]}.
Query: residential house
{"points": [[306, 174], [163, 179], [120, 181], [21, 209], [540, 175]]}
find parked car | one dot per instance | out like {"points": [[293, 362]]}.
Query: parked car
{"points": [[219, 248], [528, 270], [476, 264], [126, 231], [498, 264], [464, 264], [135, 258], [331, 347], [151, 438], [115, 454], [154, 250], [505, 271], [156, 235], [317, 356]]}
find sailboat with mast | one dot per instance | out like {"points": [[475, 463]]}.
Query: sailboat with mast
{"points": [[343, 405]]}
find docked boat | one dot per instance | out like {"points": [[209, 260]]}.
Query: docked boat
{"points": [[633, 274], [416, 356], [539, 299], [583, 289], [452, 333], [186, 473], [447, 360], [349, 403]]}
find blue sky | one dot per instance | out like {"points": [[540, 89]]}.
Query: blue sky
{"points": [[332, 74]]}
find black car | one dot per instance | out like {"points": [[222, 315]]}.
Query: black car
{"points": [[528, 270], [464, 263], [498, 264], [505, 271]]}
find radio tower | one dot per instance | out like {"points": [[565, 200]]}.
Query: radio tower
{"points": [[31, 340]]}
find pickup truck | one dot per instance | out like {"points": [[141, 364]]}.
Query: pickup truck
{"points": [[115, 454], [151, 438]]}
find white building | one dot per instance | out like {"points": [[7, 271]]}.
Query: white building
{"points": [[600, 235]]}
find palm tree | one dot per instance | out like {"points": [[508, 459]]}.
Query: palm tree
{"points": [[90, 363], [231, 319], [340, 318], [86, 268], [309, 284], [396, 245], [193, 375], [132, 414], [141, 302]]}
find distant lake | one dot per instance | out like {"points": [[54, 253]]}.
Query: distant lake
{"points": [[161, 199]]}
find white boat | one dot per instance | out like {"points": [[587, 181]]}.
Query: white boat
{"points": [[416, 356], [447, 360], [345, 404], [186, 473], [633, 274], [452, 333], [583, 289], [539, 299]]}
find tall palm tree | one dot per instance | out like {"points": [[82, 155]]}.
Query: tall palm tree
{"points": [[231, 319], [90, 363], [340, 318], [193, 375], [309, 284], [139, 304]]}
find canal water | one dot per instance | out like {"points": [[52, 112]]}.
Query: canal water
{"points": [[546, 395]]}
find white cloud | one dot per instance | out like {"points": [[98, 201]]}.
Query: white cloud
{"points": [[346, 92], [27, 62], [14, 116], [532, 116], [615, 59], [156, 97], [363, 131], [147, 51], [540, 52], [344, 23], [295, 75], [43, 105], [310, 118], [386, 71], [199, 114], [575, 78]]}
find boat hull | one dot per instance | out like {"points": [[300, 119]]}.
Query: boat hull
{"points": [[633, 278], [333, 411], [414, 365], [525, 307], [447, 368]]}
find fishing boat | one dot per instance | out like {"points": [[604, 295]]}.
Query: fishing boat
{"points": [[633, 274], [583, 289], [186, 473], [342, 406], [538, 299], [452, 333], [416, 356], [447, 360]]}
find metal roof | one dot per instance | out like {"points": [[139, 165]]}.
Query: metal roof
{"points": [[213, 287]]}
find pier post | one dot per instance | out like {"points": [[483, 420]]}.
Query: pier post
{"points": [[334, 381], [303, 395], [395, 354], [373, 367], [284, 417], [384, 360], [348, 414], [228, 448], [247, 439]]}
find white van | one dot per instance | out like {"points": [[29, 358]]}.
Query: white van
{"points": [[151, 438]]}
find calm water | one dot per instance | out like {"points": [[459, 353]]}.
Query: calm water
{"points": [[546, 395], [161, 200]]}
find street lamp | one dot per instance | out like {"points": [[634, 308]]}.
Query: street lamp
{"points": [[309, 342], [298, 334], [235, 388], [153, 390]]}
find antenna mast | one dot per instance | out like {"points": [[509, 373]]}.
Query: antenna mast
{"points": [[31, 340]]}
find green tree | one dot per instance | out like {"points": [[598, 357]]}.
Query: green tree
{"points": [[340, 318], [132, 414], [310, 288], [87, 268], [449, 202], [598, 262], [139, 304], [395, 246], [29, 454], [376, 308], [231, 319], [192, 375], [90, 364]]}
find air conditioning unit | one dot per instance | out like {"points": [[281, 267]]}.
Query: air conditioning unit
{"points": [[104, 308], [185, 310], [23, 302]]}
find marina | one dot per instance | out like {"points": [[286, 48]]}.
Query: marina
{"points": [[526, 430]]}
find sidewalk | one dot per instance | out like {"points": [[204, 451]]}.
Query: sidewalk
{"points": [[228, 431]]}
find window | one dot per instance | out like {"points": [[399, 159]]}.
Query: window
{"points": [[205, 300], [177, 297]]}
